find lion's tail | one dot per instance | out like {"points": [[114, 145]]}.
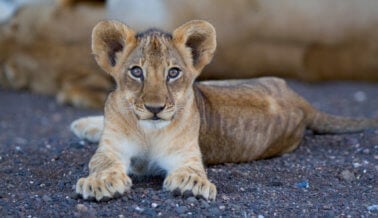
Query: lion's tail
{"points": [[321, 122]]}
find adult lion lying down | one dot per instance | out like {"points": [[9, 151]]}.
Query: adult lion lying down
{"points": [[45, 48], [159, 120]]}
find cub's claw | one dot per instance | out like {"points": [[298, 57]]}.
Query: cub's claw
{"points": [[103, 186], [190, 184]]}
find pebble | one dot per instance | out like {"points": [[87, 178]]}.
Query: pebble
{"points": [[222, 207], [214, 211], [347, 176], [356, 165], [139, 209], [373, 207], [150, 212], [192, 200], [46, 198], [303, 184], [154, 205], [204, 204], [169, 202], [181, 209], [81, 208]]}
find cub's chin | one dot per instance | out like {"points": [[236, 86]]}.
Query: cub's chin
{"points": [[153, 124]]}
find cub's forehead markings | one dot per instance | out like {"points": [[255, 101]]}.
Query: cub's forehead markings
{"points": [[141, 61]]}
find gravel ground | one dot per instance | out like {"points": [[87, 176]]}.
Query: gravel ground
{"points": [[329, 175]]}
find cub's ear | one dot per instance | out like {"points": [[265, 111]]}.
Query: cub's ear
{"points": [[111, 40], [200, 37]]}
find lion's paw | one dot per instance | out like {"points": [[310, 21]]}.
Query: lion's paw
{"points": [[103, 185], [88, 128], [191, 184]]}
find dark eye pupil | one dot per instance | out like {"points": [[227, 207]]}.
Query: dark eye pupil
{"points": [[137, 72], [173, 73]]}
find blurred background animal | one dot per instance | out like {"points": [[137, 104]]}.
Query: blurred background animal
{"points": [[45, 46], [307, 40]]}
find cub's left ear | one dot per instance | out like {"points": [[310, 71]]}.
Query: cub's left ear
{"points": [[111, 40], [200, 37]]}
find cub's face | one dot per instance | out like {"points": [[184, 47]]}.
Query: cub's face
{"points": [[154, 71], [155, 79]]}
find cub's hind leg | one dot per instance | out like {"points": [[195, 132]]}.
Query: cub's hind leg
{"points": [[88, 128]]}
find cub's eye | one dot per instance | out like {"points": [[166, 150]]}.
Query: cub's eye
{"points": [[136, 72], [173, 73]]}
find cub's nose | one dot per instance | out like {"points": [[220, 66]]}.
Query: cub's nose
{"points": [[154, 109]]}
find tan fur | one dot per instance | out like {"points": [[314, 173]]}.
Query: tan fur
{"points": [[45, 48], [153, 121], [308, 40]]}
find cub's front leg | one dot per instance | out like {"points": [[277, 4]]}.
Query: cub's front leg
{"points": [[187, 175], [107, 170]]}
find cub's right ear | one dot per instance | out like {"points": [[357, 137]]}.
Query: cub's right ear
{"points": [[111, 40]]}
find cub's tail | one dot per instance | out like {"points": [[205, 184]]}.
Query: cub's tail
{"points": [[325, 123]]}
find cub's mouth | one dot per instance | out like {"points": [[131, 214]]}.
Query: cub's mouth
{"points": [[155, 118], [154, 124]]}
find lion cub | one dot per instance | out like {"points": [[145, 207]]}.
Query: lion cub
{"points": [[158, 119]]}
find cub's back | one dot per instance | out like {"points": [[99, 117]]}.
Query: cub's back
{"points": [[248, 120]]}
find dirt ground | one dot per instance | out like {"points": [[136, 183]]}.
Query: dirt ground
{"points": [[329, 175]]}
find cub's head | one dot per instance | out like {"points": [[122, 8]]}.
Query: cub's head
{"points": [[154, 71]]}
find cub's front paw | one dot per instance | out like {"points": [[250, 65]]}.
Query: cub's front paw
{"points": [[190, 183], [103, 185], [88, 128]]}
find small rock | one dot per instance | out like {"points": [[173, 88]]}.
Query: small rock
{"points": [[303, 184], [373, 207], [356, 165], [18, 148], [149, 212], [169, 202], [46, 198], [214, 211], [192, 200], [222, 207], [139, 209], [154, 205], [181, 209], [347, 176], [81, 208], [204, 204]]}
